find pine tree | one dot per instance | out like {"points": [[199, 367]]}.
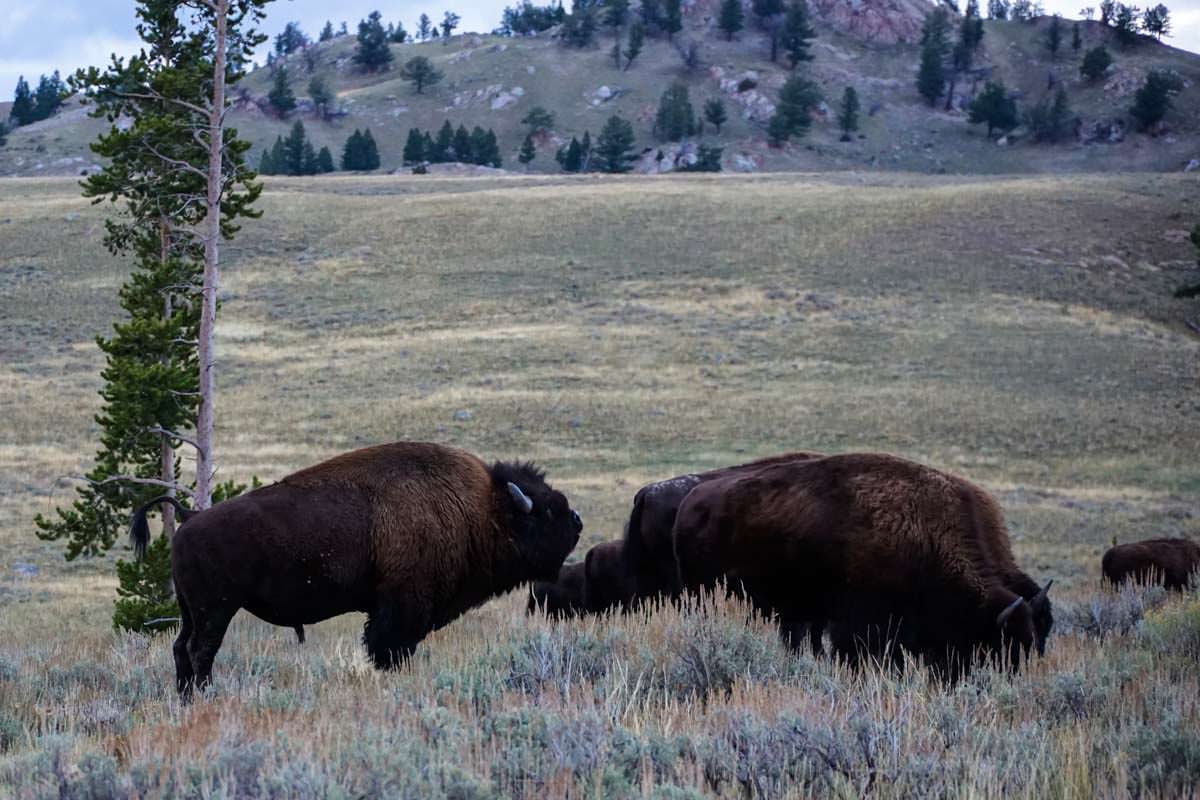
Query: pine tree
{"points": [[280, 97], [1126, 24], [278, 157], [48, 96], [370, 151], [22, 111], [443, 147], [420, 72], [460, 147], [293, 149], [652, 14], [308, 159], [637, 35], [450, 21], [1156, 21], [265, 167], [327, 31], [848, 113], [1095, 63], [290, 39], [1049, 120], [572, 158], [528, 150], [615, 12], [1054, 36], [325, 161], [931, 77], [714, 112], [1153, 100], [614, 145], [672, 18], [485, 148], [352, 152], [797, 32], [397, 35], [478, 146], [372, 53], [429, 148], [994, 107], [320, 94], [414, 148], [769, 14], [792, 113], [974, 33], [730, 18], [539, 120], [675, 118], [158, 169], [423, 26]]}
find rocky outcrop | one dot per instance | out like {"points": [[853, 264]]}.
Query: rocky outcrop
{"points": [[881, 21]]}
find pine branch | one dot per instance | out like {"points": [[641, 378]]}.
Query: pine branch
{"points": [[130, 479], [174, 435]]}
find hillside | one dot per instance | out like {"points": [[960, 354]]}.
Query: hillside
{"points": [[493, 81]]}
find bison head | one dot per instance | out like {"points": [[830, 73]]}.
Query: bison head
{"points": [[562, 598], [1043, 619], [1014, 632], [544, 527]]}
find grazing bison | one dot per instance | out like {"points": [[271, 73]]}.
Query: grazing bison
{"points": [[412, 534], [562, 597], [1169, 562], [892, 552]]}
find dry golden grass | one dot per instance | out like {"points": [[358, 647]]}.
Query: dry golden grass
{"points": [[1018, 331]]}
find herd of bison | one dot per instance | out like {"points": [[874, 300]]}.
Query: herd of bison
{"points": [[893, 558]]}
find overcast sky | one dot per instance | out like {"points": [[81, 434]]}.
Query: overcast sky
{"points": [[38, 38]]}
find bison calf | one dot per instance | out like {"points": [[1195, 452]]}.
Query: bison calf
{"points": [[1168, 562], [412, 534]]}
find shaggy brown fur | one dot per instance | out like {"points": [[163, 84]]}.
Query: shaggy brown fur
{"points": [[1168, 562], [891, 551], [412, 534]]}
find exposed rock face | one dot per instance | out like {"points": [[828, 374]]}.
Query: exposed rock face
{"points": [[668, 158], [882, 21]]}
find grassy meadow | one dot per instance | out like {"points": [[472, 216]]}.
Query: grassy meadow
{"points": [[1018, 331]]}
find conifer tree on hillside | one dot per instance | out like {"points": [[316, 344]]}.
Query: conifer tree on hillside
{"points": [[1153, 100], [994, 107], [615, 12], [633, 49], [1054, 36], [792, 115], [322, 96], [461, 146], [614, 145], [325, 161], [848, 113], [414, 148], [444, 144], [672, 18], [571, 157], [281, 97], [485, 148], [22, 111], [797, 33], [539, 120], [1050, 119], [730, 18], [424, 25], [1125, 24], [352, 152], [420, 72], [1156, 21], [652, 15], [397, 35], [370, 151], [769, 14], [528, 150], [931, 77], [372, 53], [308, 159], [971, 32], [48, 97], [327, 31], [290, 39], [714, 112], [1095, 63], [675, 118], [450, 21], [294, 150]]}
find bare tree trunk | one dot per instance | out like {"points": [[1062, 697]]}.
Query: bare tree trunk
{"points": [[168, 452], [212, 273]]}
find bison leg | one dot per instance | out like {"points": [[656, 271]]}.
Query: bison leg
{"points": [[206, 640], [183, 662], [816, 636], [390, 637]]}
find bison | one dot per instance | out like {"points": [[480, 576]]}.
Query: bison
{"points": [[562, 597], [892, 552], [1169, 562], [412, 534]]}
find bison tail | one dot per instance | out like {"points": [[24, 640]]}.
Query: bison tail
{"points": [[139, 528], [300, 634]]}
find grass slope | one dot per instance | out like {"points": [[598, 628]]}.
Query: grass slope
{"points": [[1018, 331], [899, 132]]}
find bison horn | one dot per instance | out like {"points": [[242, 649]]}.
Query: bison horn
{"points": [[1008, 612], [1041, 597], [520, 498]]}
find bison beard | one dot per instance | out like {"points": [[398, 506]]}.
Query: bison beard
{"points": [[898, 556], [411, 534]]}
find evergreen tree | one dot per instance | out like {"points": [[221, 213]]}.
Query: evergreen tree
{"points": [[156, 167], [278, 157], [423, 27], [325, 161], [848, 113], [265, 167], [572, 158], [672, 17], [730, 18], [22, 111], [652, 14], [1153, 100], [450, 21], [1126, 24], [792, 113], [487, 152], [769, 14], [1076, 37], [972, 30], [1050, 120], [615, 12], [414, 148], [370, 151], [372, 52], [1095, 63], [708, 159], [327, 31], [994, 107], [931, 77], [637, 35], [290, 39], [528, 150], [1156, 21], [321, 95], [352, 152], [280, 97], [797, 32], [614, 145], [539, 120], [675, 118], [444, 146], [293, 150], [429, 148], [420, 72], [397, 35], [460, 147], [1054, 36], [308, 159], [714, 112], [478, 146]]}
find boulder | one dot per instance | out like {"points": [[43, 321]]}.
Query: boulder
{"points": [[881, 21]]}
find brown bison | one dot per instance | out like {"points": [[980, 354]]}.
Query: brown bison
{"points": [[1169, 562], [412, 534], [562, 597], [892, 552]]}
